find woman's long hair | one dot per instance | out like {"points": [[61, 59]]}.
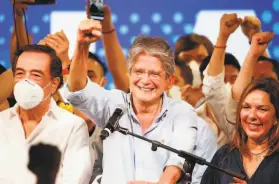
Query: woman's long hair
{"points": [[271, 87]]}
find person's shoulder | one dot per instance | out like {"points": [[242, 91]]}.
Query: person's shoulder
{"points": [[180, 106], [225, 149], [117, 96], [68, 118], [5, 116]]}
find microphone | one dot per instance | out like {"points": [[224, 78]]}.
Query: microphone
{"points": [[112, 123]]}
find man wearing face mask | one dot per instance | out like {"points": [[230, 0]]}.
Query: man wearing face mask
{"points": [[36, 118], [181, 88], [192, 49]]}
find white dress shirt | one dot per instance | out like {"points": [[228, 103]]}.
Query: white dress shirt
{"points": [[205, 112], [206, 146], [127, 158], [220, 99], [59, 128]]}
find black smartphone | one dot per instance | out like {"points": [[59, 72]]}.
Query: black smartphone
{"points": [[36, 2], [96, 9]]}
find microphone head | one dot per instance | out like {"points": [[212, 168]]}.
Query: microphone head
{"points": [[112, 123], [121, 107], [104, 134]]}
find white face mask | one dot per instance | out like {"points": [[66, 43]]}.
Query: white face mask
{"points": [[28, 94], [196, 73], [174, 93]]}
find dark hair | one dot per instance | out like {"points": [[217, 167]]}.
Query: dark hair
{"points": [[274, 63], [186, 72], [230, 59], [55, 65], [192, 41], [96, 58], [271, 87]]}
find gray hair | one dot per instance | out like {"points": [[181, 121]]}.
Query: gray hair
{"points": [[153, 46]]}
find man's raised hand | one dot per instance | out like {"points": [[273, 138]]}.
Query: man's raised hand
{"points": [[89, 31], [228, 24]]}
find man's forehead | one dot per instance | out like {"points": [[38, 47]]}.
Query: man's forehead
{"points": [[264, 64], [263, 67], [33, 58], [199, 50], [34, 53]]}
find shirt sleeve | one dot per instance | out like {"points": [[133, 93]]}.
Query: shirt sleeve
{"points": [[206, 147], [184, 135], [220, 99], [231, 107], [95, 101], [77, 163]]}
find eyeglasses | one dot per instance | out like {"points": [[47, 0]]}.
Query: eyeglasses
{"points": [[151, 74]]}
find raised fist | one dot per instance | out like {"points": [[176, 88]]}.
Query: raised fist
{"points": [[228, 24], [250, 26], [89, 31], [260, 42]]}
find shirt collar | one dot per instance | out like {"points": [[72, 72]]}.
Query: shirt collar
{"points": [[165, 106], [53, 111]]}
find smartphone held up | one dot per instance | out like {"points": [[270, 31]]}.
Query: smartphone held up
{"points": [[96, 9]]}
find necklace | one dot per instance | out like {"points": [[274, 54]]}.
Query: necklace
{"points": [[258, 155]]}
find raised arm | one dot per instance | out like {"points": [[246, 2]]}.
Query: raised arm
{"points": [[19, 30], [250, 26], [18, 36], [60, 43], [6, 80], [213, 82], [259, 44], [89, 31], [115, 57], [228, 24]]}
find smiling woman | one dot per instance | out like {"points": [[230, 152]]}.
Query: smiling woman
{"points": [[254, 150], [258, 112]]}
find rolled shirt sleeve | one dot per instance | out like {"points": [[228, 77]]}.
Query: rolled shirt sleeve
{"points": [[220, 99], [184, 135], [94, 101]]}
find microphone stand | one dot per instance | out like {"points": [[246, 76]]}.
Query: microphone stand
{"points": [[187, 156]]}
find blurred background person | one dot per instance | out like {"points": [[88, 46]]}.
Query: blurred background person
{"points": [[192, 49], [44, 161]]}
